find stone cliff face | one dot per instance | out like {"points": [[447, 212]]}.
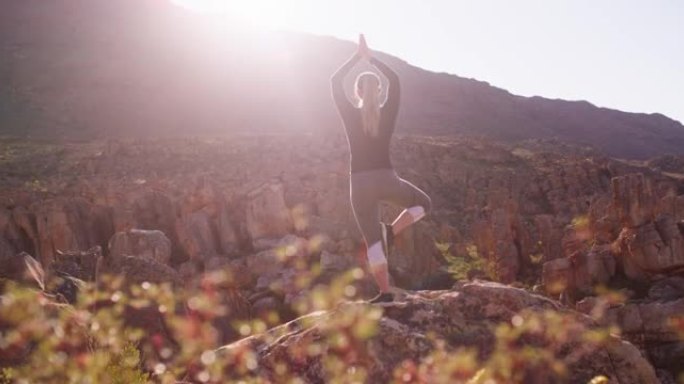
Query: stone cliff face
{"points": [[226, 198]]}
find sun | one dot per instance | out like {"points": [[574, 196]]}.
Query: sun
{"points": [[263, 13]]}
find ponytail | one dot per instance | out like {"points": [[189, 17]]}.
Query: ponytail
{"points": [[370, 103]]}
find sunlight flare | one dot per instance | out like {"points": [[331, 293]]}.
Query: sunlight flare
{"points": [[263, 13]]}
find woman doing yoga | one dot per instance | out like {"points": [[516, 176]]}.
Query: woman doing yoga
{"points": [[369, 126]]}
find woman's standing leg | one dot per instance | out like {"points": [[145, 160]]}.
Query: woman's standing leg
{"points": [[365, 207]]}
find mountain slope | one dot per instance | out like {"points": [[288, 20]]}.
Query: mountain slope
{"points": [[78, 69]]}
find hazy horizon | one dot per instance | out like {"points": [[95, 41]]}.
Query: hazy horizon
{"points": [[621, 55]]}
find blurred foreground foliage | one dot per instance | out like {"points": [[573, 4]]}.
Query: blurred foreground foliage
{"points": [[146, 333]]}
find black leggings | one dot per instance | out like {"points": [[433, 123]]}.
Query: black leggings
{"points": [[369, 188]]}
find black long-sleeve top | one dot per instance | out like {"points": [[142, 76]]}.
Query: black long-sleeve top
{"points": [[367, 152]]}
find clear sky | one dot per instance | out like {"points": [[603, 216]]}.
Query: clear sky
{"points": [[623, 54]]}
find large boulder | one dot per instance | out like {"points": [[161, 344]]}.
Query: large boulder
{"points": [[415, 255], [267, 214], [148, 244], [149, 210], [580, 273], [138, 270], [651, 249], [410, 330], [648, 323]]}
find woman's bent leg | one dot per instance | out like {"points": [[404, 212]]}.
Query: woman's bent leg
{"points": [[417, 204]]}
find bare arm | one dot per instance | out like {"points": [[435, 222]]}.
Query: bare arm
{"points": [[344, 106]]}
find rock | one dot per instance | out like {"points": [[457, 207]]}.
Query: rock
{"points": [[633, 199], [137, 270], [283, 283], [13, 267], [415, 255], [8, 267], [278, 255], [549, 237], [647, 325], [292, 244], [264, 307], [188, 270], [149, 210], [591, 268], [669, 288], [197, 236], [265, 263], [579, 273], [651, 249], [228, 237], [314, 224], [463, 317], [267, 216], [497, 239], [604, 224], [672, 205], [335, 263], [587, 304], [24, 221], [665, 377], [83, 265], [557, 276], [600, 265], [67, 224], [9, 236], [149, 244]]}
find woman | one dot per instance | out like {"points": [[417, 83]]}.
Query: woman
{"points": [[369, 127]]}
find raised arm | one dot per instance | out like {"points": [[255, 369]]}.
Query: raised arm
{"points": [[394, 90], [344, 106]]}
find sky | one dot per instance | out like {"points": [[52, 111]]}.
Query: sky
{"points": [[622, 54]]}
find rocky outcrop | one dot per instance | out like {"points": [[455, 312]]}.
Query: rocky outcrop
{"points": [[648, 323], [649, 243], [511, 203], [635, 235], [633, 200], [138, 270], [668, 163], [653, 249], [501, 239], [408, 331], [144, 244], [84, 265], [579, 274], [267, 214], [66, 224]]}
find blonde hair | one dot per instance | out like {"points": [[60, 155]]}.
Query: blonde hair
{"points": [[369, 103]]}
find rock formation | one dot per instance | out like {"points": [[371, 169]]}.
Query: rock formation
{"points": [[410, 330]]}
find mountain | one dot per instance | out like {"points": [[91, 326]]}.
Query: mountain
{"points": [[83, 69]]}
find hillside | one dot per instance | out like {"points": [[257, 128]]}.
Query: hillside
{"points": [[83, 69]]}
